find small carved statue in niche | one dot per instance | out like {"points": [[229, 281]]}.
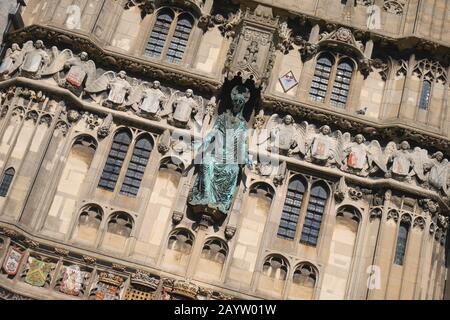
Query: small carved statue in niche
{"points": [[251, 54], [35, 59], [284, 135], [184, 107], [11, 62], [118, 88]]}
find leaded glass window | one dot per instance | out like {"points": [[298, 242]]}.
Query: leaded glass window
{"points": [[115, 160], [425, 95], [159, 34], [321, 78], [180, 39], [137, 166], [8, 177], [341, 86], [402, 239], [314, 215], [291, 209], [170, 35]]}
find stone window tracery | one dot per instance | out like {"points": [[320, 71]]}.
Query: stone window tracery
{"points": [[114, 163], [91, 217], [181, 240], [136, 167], [215, 250], [291, 209], [170, 35], [276, 267], [120, 224], [7, 179], [335, 73], [305, 275]]}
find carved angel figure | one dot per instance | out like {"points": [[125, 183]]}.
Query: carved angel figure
{"points": [[356, 156], [404, 163], [438, 176], [79, 70], [325, 148], [148, 99], [286, 137], [184, 107], [11, 62], [117, 85], [34, 60]]}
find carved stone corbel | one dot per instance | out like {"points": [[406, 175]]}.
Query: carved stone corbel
{"points": [[146, 6]]}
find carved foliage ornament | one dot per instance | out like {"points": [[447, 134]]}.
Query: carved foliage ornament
{"points": [[146, 6]]}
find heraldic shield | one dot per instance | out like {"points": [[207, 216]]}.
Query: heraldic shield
{"points": [[38, 272], [12, 261], [73, 280]]}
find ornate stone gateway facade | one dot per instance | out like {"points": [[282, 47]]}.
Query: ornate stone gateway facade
{"points": [[339, 110]]}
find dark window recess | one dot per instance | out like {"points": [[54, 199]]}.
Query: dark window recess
{"points": [[8, 177], [425, 95], [115, 161], [137, 166], [321, 79], [180, 38], [402, 239], [291, 209], [341, 86], [314, 215], [159, 34]]}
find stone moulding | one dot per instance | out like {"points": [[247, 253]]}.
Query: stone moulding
{"points": [[110, 59], [344, 122], [145, 276]]}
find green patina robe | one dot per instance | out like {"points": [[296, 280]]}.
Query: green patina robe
{"points": [[225, 151]]}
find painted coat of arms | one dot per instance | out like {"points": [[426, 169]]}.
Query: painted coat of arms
{"points": [[37, 272], [73, 280], [108, 287], [12, 261]]}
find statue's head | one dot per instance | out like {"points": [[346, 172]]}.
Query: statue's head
{"points": [[359, 138], [439, 156], [189, 93], [404, 145], [122, 74], [326, 130], [39, 44], [83, 56], [288, 120], [156, 84], [15, 47], [240, 95]]}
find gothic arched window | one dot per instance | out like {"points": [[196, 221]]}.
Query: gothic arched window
{"points": [[181, 240], [341, 86], [402, 239], [314, 215], [136, 168], [115, 160], [8, 177], [305, 275], [425, 95], [332, 73], [170, 35], [321, 78], [291, 209]]}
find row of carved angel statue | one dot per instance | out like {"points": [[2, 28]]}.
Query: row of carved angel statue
{"points": [[113, 90], [354, 154]]}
